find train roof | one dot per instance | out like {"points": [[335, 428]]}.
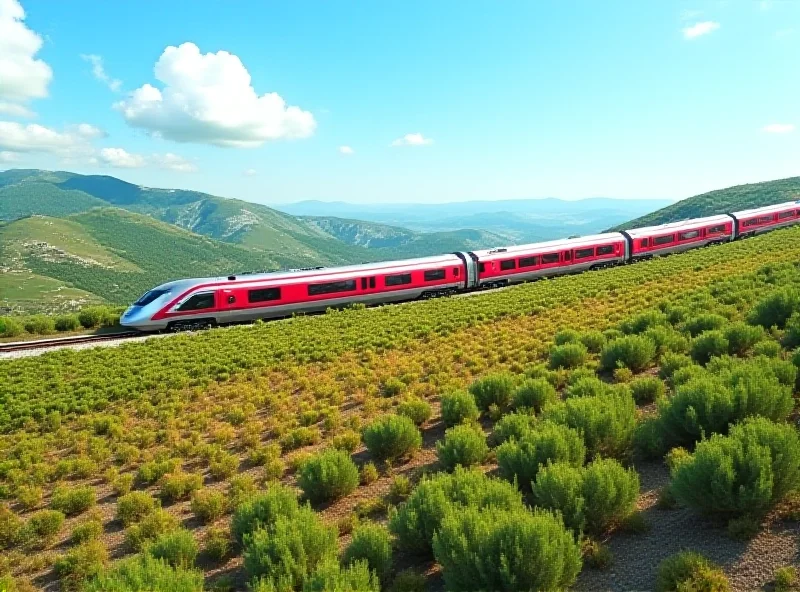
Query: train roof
{"points": [[766, 209], [676, 226], [554, 245]]}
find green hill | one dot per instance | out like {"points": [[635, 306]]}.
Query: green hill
{"points": [[721, 201]]}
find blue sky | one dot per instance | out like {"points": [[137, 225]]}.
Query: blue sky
{"points": [[482, 100]]}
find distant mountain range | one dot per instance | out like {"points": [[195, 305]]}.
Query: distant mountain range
{"points": [[515, 221]]}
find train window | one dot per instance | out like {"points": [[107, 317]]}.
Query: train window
{"points": [[716, 229], [363, 283], [750, 222], [584, 253], [508, 264], [765, 219], [550, 258], [331, 287], [528, 261], [198, 302], [397, 280], [664, 240], [455, 272], [784, 215], [605, 250], [688, 235], [372, 282], [263, 295], [645, 242], [567, 255], [481, 267], [435, 274], [149, 297]]}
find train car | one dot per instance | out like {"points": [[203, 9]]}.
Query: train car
{"points": [[195, 303], [676, 237], [760, 220], [523, 263]]}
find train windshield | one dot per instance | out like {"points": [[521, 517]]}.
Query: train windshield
{"points": [[149, 297]]}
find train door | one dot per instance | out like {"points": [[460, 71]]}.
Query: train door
{"points": [[228, 300]]}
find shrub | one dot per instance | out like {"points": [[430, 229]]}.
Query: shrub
{"points": [[263, 510], [87, 531], [775, 309], [241, 488], [488, 549], [39, 325], [590, 498], [607, 422], [421, 515], [408, 581], [150, 528], [300, 437], [569, 355], [785, 578], [534, 394], [329, 576], [671, 363], [134, 506], [767, 348], [177, 547], [593, 340], [667, 340], [10, 327], [369, 473], [328, 476], [463, 445], [742, 337], [66, 323], [512, 426], [29, 496], [704, 322], [371, 543], [217, 543], [644, 321], [633, 351], [144, 572], [493, 389], [289, 550], [566, 336], [400, 489], [745, 472], [743, 528], [393, 387], [180, 485], [416, 409], [223, 465], [10, 526], [82, 563], [45, 524], [208, 504], [152, 471], [587, 386], [347, 441], [708, 345], [687, 571], [647, 389], [457, 407], [520, 460], [392, 437]]}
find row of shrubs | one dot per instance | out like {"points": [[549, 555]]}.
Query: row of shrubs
{"points": [[41, 324]]}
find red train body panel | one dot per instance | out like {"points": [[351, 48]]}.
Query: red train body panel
{"points": [[680, 236]]}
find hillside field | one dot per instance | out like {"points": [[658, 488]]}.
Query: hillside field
{"points": [[633, 382]]}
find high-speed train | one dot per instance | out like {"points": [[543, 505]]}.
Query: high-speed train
{"points": [[197, 303]]}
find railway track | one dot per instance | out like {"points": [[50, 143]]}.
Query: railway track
{"points": [[61, 341]]}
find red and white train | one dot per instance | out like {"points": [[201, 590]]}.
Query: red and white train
{"points": [[195, 303]]}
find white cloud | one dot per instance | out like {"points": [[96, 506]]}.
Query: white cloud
{"points": [[15, 110], [700, 29], [412, 140], [120, 158], [6, 156], [208, 98], [249, 172], [73, 141], [22, 76], [778, 128], [100, 73], [173, 162], [88, 131], [346, 150]]}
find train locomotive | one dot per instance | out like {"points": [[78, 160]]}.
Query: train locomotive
{"points": [[202, 302]]}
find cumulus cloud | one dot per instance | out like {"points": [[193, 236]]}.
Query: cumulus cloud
{"points": [[208, 98], [700, 29], [6, 156], [249, 172], [100, 73], [73, 141], [346, 150], [173, 162], [15, 110], [121, 158], [22, 76], [778, 128], [412, 140]]}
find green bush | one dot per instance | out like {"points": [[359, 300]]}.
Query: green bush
{"points": [[152, 471], [208, 504], [742, 337], [633, 351], [749, 470], [328, 476], [179, 485], [144, 572], [704, 322], [176, 547], [775, 309], [607, 423], [767, 348], [92, 316], [416, 409], [420, 516], [329, 576], [263, 510], [667, 340], [10, 327], [408, 581], [647, 389], [134, 506], [520, 460], [149, 528], [671, 363], [708, 345], [300, 437], [217, 543], [44, 525], [687, 571], [66, 323], [493, 389], [785, 578], [569, 355], [87, 531], [81, 563], [534, 394], [512, 426], [463, 445], [590, 498], [566, 336], [586, 386], [286, 553], [593, 340], [502, 550], [10, 527], [39, 325], [222, 466], [457, 407], [644, 321], [371, 543], [392, 437], [347, 441]]}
